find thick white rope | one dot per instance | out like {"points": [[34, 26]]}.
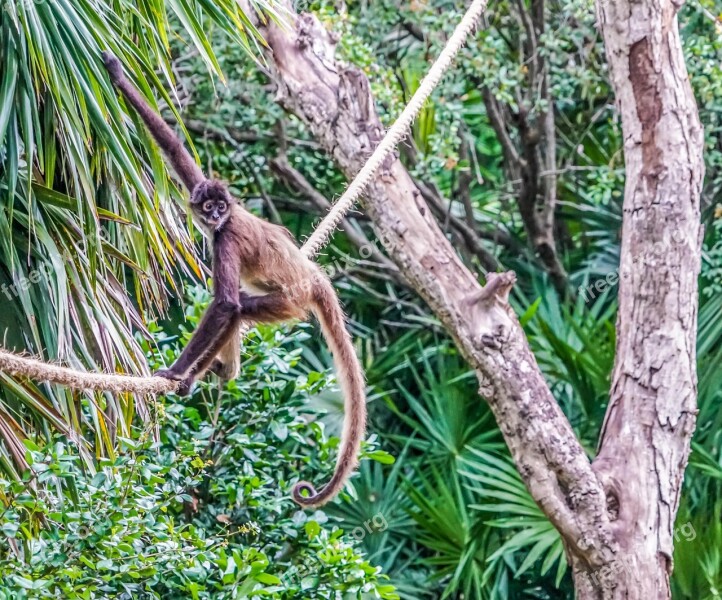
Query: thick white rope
{"points": [[398, 131], [37, 370]]}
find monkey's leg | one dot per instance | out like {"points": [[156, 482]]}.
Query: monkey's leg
{"points": [[224, 357], [216, 325], [271, 308], [230, 338], [261, 309]]}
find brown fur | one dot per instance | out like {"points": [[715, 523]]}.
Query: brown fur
{"points": [[350, 374], [259, 275], [179, 158]]}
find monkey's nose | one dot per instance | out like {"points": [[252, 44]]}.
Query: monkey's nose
{"points": [[215, 216]]}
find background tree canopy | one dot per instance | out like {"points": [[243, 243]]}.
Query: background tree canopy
{"points": [[116, 496]]}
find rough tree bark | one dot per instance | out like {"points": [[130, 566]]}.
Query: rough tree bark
{"points": [[645, 440], [615, 517]]}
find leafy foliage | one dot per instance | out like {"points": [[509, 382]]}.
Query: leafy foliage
{"points": [[90, 231], [202, 510], [111, 496]]}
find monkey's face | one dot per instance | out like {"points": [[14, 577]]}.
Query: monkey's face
{"points": [[211, 204]]}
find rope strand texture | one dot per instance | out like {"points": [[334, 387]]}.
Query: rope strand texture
{"points": [[398, 131], [34, 369], [37, 370]]}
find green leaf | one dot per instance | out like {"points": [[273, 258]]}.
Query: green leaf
{"points": [[312, 529]]}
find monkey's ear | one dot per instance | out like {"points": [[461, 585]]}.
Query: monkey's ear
{"points": [[114, 66]]}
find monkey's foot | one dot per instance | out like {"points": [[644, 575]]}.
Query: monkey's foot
{"points": [[225, 371], [185, 387], [216, 367]]}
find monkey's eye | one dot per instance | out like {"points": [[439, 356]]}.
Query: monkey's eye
{"points": [[207, 206], [222, 206]]}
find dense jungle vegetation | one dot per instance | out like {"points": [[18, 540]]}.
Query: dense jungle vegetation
{"points": [[106, 496]]}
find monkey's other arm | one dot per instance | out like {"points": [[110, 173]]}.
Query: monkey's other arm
{"points": [[181, 160], [219, 323]]}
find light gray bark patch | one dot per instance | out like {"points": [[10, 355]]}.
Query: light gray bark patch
{"points": [[645, 86]]}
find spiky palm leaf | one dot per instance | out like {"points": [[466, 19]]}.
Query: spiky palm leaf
{"points": [[499, 490], [85, 215]]}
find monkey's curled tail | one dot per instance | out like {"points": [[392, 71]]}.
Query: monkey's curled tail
{"points": [[351, 378]]}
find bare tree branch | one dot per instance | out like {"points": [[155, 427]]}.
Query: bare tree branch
{"points": [[533, 163], [468, 235], [466, 180], [239, 136]]}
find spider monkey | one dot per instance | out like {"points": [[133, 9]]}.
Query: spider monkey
{"points": [[259, 275]]}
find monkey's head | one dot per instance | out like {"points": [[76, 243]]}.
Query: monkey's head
{"points": [[211, 204]]}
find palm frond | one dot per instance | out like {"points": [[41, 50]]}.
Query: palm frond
{"points": [[87, 211]]}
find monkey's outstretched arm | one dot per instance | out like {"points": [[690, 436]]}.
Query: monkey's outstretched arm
{"points": [[180, 159]]}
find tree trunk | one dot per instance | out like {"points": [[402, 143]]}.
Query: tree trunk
{"points": [[645, 440], [631, 576], [335, 102]]}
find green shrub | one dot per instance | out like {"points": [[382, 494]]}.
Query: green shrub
{"points": [[196, 504]]}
